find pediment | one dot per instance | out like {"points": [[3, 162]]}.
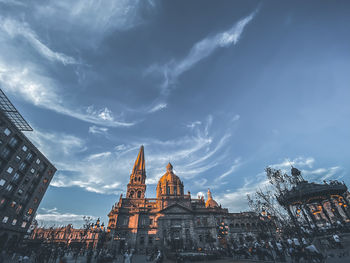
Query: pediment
{"points": [[176, 209]]}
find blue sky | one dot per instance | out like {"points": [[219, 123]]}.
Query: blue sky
{"points": [[221, 90]]}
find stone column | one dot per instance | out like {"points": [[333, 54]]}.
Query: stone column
{"points": [[325, 212], [335, 210], [305, 216], [312, 216], [346, 212]]}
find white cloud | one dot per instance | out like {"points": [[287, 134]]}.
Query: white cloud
{"points": [[95, 16], [27, 82], [51, 217], [158, 107], [201, 50], [236, 164], [108, 172], [98, 155], [98, 130], [193, 124], [296, 162], [236, 200], [236, 117], [12, 2], [14, 28]]}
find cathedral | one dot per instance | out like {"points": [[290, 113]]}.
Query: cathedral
{"points": [[172, 220]]}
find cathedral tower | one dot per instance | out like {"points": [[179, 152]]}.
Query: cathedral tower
{"points": [[136, 186]]}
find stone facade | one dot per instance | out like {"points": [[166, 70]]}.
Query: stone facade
{"points": [[172, 220], [68, 236]]}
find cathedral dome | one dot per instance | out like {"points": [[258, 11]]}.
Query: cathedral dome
{"points": [[169, 183], [211, 202]]}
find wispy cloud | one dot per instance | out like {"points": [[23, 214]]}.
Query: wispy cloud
{"points": [[27, 82], [108, 172], [12, 2], [236, 164], [14, 29], [98, 130], [95, 17], [201, 50], [53, 217], [158, 107], [236, 199]]}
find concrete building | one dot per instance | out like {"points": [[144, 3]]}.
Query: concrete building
{"points": [[25, 174], [173, 220]]}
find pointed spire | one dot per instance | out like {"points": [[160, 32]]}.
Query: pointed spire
{"points": [[209, 194], [169, 167], [140, 162]]}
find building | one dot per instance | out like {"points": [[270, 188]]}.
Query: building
{"points": [[91, 236], [173, 220], [25, 174]]}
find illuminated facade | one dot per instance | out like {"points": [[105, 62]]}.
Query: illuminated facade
{"points": [[172, 220]]}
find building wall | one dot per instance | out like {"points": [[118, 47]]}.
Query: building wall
{"points": [[25, 174]]}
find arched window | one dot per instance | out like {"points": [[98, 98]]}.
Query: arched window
{"points": [[168, 190], [175, 191], [139, 194], [131, 195]]}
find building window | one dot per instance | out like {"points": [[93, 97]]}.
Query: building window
{"points": [[175, 191], [15, 177], [5, 219], [29, 156], [24, 223], [9, 170], [151, 221], [24, 148], [150, 240], [2, 182], [18, 159], [168, 190], [13, 142], [139, 194], [37, 161], [142, 241], [14, 222], [9, 187], [32, 170], [7, 132], [22, 166], [5, 153]]}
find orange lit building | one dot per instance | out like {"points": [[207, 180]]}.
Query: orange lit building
{"points": [[172, 220]]}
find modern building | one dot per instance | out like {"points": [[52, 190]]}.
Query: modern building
{"points": [[173, 220], [25, 174]]}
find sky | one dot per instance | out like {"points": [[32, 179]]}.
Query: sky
{"points": [[221, 89]]}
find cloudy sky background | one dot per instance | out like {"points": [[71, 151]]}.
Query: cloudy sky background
{"points": [[220, 90]]}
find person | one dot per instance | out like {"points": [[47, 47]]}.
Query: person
{"points": [[127, 257], [159, 257], [336, 239], [314, 253]]}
